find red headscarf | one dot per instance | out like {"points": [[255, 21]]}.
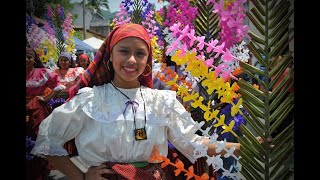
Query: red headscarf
{"points": [[98, 72], [85, 57]]}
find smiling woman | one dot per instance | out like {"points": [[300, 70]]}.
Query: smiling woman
{"points": [[117, 119], [38, 80], [129, 58]]}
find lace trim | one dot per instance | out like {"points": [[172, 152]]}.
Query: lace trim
{"points": [[38, 82], [42, 151], [69, 77]]}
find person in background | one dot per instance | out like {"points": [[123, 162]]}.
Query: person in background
{"points": [[117, 119], [283, 77], [83, 61], [68, 75], [42, 84]]}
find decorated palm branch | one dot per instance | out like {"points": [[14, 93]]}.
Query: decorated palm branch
{"points": [[53, 37], [210, 44], [268, 107]]}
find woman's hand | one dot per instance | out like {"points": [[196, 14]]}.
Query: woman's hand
{"points": [[96, 172], [269, 140], [41, 99]]}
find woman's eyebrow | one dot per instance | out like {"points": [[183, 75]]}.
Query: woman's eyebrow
{"points": [[123, 46]]}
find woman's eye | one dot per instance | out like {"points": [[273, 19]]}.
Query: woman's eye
{"points": [[141, 53], [123, 51]]}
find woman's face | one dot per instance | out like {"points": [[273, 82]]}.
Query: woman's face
{"points": [[83, 63], [129, 59], [30, 60], [64, 63]]}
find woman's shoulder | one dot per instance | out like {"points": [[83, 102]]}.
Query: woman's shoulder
{"points": [[160, 95], [78, 69], [43, 73], [43, 70], [92, 91], [160, 92]]}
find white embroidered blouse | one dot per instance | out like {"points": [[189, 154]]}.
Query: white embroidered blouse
{"points": [[94, 117]]}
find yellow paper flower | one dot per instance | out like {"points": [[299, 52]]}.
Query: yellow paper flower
{"points": [[228, 128], [220, 121], [235, 108]]}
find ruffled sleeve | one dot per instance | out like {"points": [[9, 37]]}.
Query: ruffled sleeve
{"points": [[182, 128], [63, 124], [53, 81]]}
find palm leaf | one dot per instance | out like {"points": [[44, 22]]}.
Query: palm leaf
{"points": [[136, 13], [206, 22], [268, 108]]}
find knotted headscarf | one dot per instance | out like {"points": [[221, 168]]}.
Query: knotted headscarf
{"points": [[65, 54], [98, 72], [85, 57], [68, 56]]}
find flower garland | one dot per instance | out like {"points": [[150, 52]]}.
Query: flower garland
{"points": [[237, 117], [29, 145], [195, 66], [179, 165], [59, 26], [231, 18], [121, 17], [180, 11]]}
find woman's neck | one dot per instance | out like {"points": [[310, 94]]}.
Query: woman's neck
{"points": [[29, 69], [126, 85], [64, 69]]}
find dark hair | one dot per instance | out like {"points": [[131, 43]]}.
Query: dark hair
{"points": [[80, 56], [37, 62], [72, 63]]}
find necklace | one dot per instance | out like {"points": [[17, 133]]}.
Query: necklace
{"points": [[141, 133], [64, 75]]}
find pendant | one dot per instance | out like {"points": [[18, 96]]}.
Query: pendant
{"points": [[140, 134]]}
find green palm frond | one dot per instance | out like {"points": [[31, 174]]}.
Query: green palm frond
{"points": [[136, 13], [206, 22], [268, 107]]}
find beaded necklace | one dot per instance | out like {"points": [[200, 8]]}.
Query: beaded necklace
{"points": [[141, 133], [64, 75]]}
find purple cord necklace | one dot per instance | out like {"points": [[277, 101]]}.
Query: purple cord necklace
{"points": [[141, 133]]}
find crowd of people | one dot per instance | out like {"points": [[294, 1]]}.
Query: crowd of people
{"points": [[45, 90]]}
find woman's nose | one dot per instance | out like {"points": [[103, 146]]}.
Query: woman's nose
{"points": [[132, 59]]}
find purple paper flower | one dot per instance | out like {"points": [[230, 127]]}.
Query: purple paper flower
{"points": [[170, 145], [29, 21], [29, 156], [238, 119], [56, 102], [29, 142]]}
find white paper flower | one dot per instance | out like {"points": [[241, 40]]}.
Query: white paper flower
{"points": [[221, 145], [200, 150]]}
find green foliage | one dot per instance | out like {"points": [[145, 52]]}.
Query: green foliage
{"points": [[79, 35], [268, 106], [40, 6], [136, 13], [97, 4]]}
